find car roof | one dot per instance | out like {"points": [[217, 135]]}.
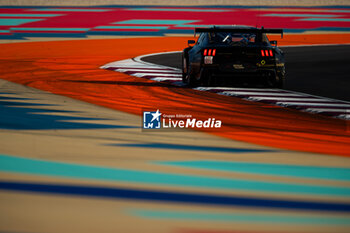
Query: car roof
{"points": [[234, 27]]}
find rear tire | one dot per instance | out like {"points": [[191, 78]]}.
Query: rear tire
{"points": [[191, 82], [205, 78], [184, 68], [187, 76], [280, 82], [190, 79], [272, 80], [281, 74]]}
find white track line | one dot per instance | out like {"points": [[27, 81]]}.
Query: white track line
{"points": [[160, 79], [235, 89], [146, 70], [256, 93], [288, 99], [340, 110], [314, 104], [140, 75], [344, 116]]}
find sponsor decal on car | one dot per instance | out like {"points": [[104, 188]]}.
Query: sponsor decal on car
{"points": [[238, 66]]}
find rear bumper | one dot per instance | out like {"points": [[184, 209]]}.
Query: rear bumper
{"points": [[239, 72]]}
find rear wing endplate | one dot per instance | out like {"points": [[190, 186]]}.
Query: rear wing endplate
{"points": [[241, 30]]}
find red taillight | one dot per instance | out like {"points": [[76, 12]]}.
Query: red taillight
{"points": [[267, 53], [209, 52]]}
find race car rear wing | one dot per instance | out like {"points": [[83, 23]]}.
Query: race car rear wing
{"points": [[240, 30]]}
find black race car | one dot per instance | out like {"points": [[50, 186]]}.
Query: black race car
{"points": [[235, 54]]}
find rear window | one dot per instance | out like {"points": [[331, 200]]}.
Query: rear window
{"points": [[233, 38]]}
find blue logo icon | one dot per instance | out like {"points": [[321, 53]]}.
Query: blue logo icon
{"points": [[151, 120]]}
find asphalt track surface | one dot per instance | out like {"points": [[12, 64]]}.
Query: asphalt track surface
{"points": [[316, 70]]}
